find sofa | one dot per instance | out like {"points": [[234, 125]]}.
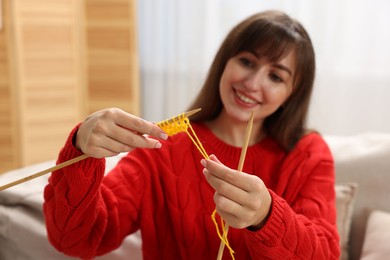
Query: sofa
{"points": [[362, 164]]}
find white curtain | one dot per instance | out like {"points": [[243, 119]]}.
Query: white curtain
{"points": [[178, 39]]}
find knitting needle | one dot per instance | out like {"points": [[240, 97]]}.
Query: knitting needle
{"points": [[84, 156], [38, 174], [240, 166], [177, 118]]}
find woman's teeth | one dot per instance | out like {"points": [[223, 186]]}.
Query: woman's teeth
{"points": [[246, 99]]}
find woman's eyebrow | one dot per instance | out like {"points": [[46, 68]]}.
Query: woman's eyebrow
{"points": [[282, 67], [276, 65]]}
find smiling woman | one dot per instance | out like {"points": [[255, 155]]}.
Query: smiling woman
{"points": [[287, 180]]}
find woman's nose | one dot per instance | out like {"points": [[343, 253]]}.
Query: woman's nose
{"points": [[254, 81]]}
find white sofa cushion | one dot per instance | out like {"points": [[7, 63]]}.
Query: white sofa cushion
{"points": [[377, 237], [345, 199]]}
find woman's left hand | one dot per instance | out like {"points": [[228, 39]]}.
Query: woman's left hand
{"points": [[241, 199]]}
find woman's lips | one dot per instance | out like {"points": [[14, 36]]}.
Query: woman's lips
{"points": [[246, 99]]}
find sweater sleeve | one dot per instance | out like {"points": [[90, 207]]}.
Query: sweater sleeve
{"points": [[80, 211], [302, 221]]}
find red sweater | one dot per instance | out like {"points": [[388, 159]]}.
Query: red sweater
{"points": [[163, 193]]}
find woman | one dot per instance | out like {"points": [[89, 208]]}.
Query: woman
{"points": [[281, 206]]}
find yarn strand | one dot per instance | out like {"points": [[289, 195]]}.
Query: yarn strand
{"points": [[182, 124]]}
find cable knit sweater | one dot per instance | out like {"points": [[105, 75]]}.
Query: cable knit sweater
{"points": [[163, 193]]}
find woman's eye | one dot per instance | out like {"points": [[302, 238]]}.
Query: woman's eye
{"points": [[246, 62], [275, 77]]}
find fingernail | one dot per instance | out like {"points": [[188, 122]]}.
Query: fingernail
{"points": [[203, 162], [205, 171], [163, 136], [158, 145]]}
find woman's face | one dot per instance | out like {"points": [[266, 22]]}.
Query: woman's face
{"points": [[250, 82]]}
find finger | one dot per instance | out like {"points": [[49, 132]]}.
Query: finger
{"points": [[226, 189], [140, 126], [129, 138], [225, 204], [104, 146], [141, 141], [214, 158], [230, 213], [234, 177], [113, 145], [98, 152], [233, 213]]}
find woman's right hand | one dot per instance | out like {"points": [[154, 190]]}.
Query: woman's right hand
{"points": [[109, 132]]}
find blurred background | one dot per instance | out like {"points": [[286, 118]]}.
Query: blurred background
{"points": [[60, 60]]}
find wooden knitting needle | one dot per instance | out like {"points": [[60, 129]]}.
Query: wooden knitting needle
{"points": [[83, 156], [177, 118], [240, 166], [38, 174]]}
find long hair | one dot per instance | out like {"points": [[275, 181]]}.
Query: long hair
{"points": [[274, 35]]}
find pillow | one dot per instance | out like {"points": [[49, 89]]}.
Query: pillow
{"points": [[345, 198], [377, 237]]}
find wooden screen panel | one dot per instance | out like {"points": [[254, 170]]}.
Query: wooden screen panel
{"points": [[8, 125], [59, 61], [48, 47], [113, 73]]}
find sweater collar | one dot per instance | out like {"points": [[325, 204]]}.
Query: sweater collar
{"points": [[214, 145]]}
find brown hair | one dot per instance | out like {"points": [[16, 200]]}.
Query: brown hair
{"points": [[275, 35]]}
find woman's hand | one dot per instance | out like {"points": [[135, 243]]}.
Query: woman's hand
{"points": [[241, 199], [111, 131]]}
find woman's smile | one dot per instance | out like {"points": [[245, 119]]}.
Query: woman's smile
{"points": [[245, 98]]}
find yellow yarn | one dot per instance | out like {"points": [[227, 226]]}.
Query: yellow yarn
{"points": [[175, 125], [180, 124], [223, 235]]}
